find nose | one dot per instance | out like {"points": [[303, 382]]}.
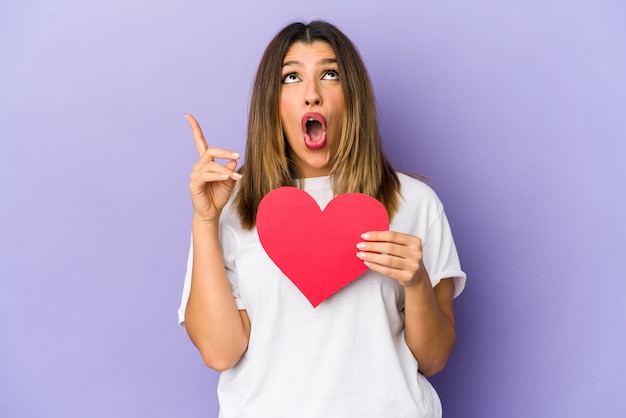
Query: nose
{"points": [[312, 95]]}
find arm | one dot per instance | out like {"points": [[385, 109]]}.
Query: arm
{"points": [[429, 324], [429, 317], [216, 327]]}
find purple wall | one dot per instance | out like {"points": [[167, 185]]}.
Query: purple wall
{"points": [[517, 113]]}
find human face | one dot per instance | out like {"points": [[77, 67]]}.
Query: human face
{"points": [[311, 106]]}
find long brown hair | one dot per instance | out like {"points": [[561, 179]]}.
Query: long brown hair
{"points": [[359, 165]]}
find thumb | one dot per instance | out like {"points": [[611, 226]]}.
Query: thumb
{"points": [[231, 165]]}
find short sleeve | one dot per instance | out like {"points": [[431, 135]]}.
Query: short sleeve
{"points": [[186, 287], [229, 250], [230, 245], [440, 255]]}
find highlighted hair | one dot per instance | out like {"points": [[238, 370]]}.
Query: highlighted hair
{"points": [[359, 165]]}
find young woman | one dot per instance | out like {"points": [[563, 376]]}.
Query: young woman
{"points": [[364, 351]]}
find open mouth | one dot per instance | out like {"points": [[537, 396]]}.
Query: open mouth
{"points": [[314, 130]]}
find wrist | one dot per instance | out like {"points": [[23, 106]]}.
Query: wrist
{"points": [[202, 222], [418, 282]]}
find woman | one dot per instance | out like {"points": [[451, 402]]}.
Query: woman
{"points": [[364, 351]]}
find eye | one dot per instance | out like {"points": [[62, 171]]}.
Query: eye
{"points": [[291, 78], [331, 75]]}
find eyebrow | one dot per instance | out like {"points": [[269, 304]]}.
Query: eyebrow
{"points": [[324, 61]]}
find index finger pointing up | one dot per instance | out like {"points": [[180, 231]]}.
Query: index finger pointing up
{"points": [[198, 136]]}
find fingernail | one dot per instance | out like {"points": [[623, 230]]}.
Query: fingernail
{"points": [[365, 235], [361, 245], [236, 176], [236, 155], [361, 255]]}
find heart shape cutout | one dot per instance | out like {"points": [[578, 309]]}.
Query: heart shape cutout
{"points": [[316, 249]]}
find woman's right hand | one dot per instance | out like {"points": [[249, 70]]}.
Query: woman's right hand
{"points": [[211, 183]]}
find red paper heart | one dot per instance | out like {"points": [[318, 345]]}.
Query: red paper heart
{"points": [[316, 249]]}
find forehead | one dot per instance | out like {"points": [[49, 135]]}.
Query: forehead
{"points": [[300, 51]]}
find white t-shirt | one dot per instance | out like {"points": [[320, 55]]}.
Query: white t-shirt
{"points": [[345, 358]]}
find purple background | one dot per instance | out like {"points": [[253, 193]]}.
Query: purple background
{"points": [[516, 111]]}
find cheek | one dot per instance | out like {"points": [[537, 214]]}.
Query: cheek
{"points": [[287, 121], [338, 102], [340, 110], [285, 110]]}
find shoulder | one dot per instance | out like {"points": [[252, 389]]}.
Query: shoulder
{"points": [[415, 192], [229, 214], [230, 224], [420, 207]]}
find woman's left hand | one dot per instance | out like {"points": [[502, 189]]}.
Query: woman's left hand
{"points": [[395, 255]]}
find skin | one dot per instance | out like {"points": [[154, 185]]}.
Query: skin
{"points": [[214, 324], [311, 83], [429, 319], [217, 328]]}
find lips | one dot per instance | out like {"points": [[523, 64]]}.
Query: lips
{"points": [[314, 130]]}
